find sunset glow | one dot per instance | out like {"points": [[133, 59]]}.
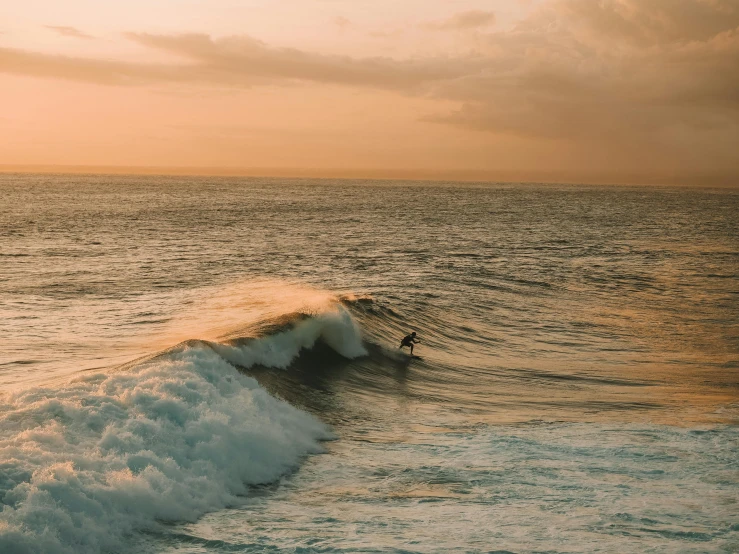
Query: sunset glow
{"points": [[621, 90]]}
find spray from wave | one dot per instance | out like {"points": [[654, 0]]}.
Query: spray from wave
{"points": [[166, 438]]}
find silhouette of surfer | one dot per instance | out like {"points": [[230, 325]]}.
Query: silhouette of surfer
{"points": [[409, 340]]}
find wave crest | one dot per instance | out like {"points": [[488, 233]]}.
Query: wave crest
{"points": [[335, 327], [167, 439]]}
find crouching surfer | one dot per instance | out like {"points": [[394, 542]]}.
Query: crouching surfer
{"points": [[409, 340]]}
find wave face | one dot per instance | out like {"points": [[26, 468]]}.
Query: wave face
{"points": [[166, 439]]}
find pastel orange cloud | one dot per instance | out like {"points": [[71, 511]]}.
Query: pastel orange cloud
{"points": [[617, 85]]}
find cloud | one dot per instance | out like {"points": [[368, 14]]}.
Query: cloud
{"points": [[242, 58], [473, 19], [236, 61], [651, 22], [619, 71], [34, 64], [624, 73], [69, 32]]}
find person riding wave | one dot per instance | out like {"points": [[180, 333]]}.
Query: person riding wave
{"points": [[409, 340]]}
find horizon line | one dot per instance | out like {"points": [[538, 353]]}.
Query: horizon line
{"points": [[467, 175]]}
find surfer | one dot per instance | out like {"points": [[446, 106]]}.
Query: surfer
{"points": [[409, 340]]}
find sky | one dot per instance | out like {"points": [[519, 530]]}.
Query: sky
{"points": [[573, 90]]}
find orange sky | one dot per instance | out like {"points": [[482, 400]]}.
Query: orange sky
{"points": [[613, 90]]}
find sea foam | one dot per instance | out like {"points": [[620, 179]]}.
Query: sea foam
{"points": [[335, 327], [85, 464]]}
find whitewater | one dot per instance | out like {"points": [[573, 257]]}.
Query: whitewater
{"points": [[87, 461], [212, 365]]}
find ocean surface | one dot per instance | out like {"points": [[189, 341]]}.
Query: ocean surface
{"points": [[208, 365]]}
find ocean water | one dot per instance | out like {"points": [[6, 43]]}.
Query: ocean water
{"points": [[206, 365]]}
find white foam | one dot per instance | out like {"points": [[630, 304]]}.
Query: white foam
{"points": [[335, 327], [85, 464]]}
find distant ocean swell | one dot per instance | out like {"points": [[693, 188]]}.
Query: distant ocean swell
{"points": [[166, 438]]}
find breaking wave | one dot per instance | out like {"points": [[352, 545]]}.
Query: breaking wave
{"points": [[296, 332], [164, 438]]}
